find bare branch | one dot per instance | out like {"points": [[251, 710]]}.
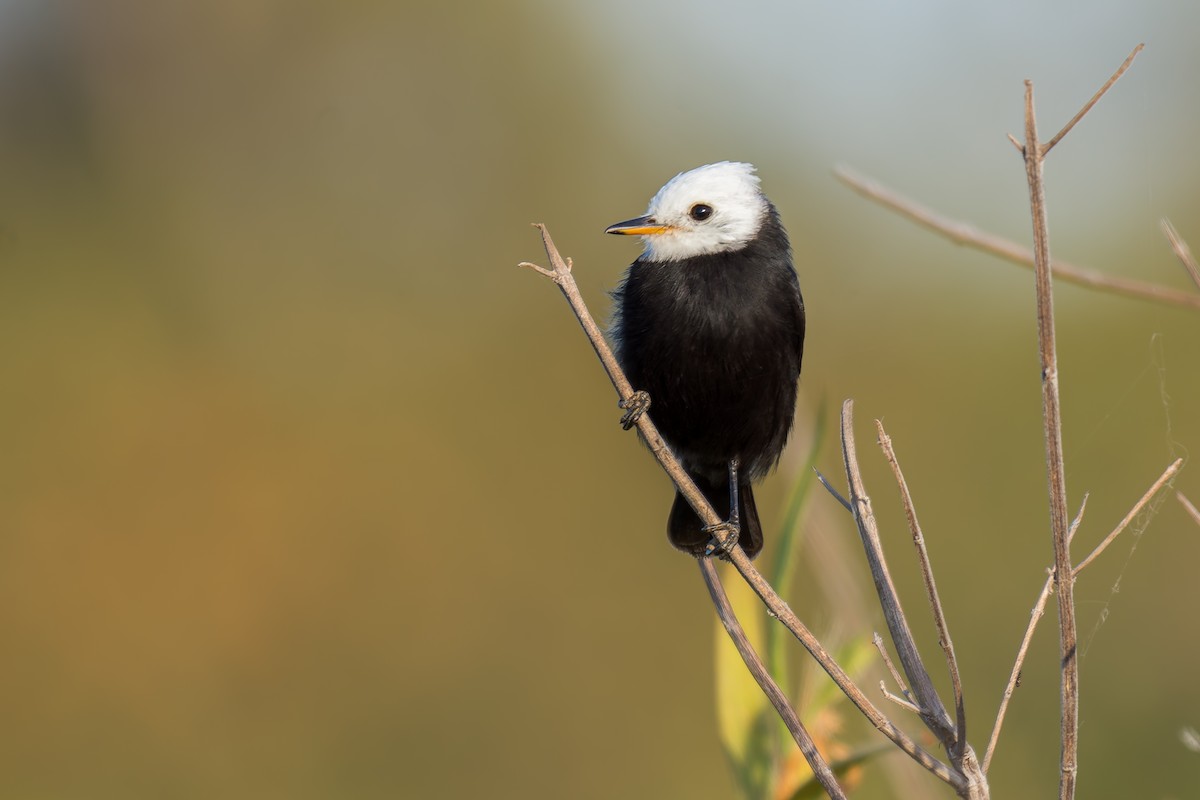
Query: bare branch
{"points": [[1055, 471], [1014, 678], [1034, 156], [540, 270], [560, 273], [898, 700], [775, 604], [781, 611], [808, 747], [933, 713], [1157, 486], [1116, 76], [1039, 607], [877, 640], [1182, 251], [965, 233], [939, 615], [1189, 507], [836, 494]]}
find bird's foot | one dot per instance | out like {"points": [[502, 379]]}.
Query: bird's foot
{"points": [[637, 405], [724, 536]]}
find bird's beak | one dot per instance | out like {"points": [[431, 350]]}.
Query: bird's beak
{"points": [[639, 226]]}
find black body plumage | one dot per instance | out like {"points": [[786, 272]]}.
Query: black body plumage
{"points": [[716, 340]]}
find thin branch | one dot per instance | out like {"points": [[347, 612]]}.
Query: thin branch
{"points": [[1014, 678], [561, 275], [781, 611], [1055, 470], [1035, 616], [932, 711], [1056, 481], [1034, 157], [877, 640], [1182, 251], [1188, 506], [1039, 607], [898, 700], [1116, 76], [808, 747], [965, 233], [1167, 476], [939, 615], [836, 494]]}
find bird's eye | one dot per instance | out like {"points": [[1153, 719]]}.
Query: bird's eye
{"points": [[700, 212]]}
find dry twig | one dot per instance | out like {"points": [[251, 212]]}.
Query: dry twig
{"points": [[1189, 506], [1055, 471], [877, 640], [1116, 76], [965, 233], [935, 602], [1034, 153], [1040, 606], [1167, 476], [1182, 251], [929, 705], [925, 695], [1014, 678], [754, 664]]}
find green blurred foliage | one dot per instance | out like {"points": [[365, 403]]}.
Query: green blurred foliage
{"points": [[307, 491]]}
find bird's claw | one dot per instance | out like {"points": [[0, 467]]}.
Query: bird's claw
{"points": [[637, 405], [724, 537]]}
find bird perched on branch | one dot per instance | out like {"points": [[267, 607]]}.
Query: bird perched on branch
{"points": [[709, 323]]}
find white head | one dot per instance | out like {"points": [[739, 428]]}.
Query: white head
{"points": [[711, 209]]}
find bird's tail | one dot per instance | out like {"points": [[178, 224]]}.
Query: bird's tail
{"points": [[686, 531]]}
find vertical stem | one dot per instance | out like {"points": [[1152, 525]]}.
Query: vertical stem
{"points": [[1051, 414]]}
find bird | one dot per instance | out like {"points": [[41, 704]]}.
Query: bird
{"points": [[709, 323]]}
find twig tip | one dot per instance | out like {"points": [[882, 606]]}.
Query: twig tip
{"points": [[536, 268]]}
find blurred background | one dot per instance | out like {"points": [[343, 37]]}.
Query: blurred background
{"points": [[308, 491]]}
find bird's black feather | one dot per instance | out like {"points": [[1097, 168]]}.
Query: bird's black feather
{"points": [[717, 341]]}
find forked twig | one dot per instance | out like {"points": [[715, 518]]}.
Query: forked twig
{"points": [[965, 233], [932, 711], [1055, 470], [1163, 480], [877, 640], [929, 705], [903, 702], [1034, 154], [754, 664], [1040, 606], [1014, 678], [1116, 76]]}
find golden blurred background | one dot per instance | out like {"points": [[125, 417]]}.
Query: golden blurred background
{"points": [[309, 492]]}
